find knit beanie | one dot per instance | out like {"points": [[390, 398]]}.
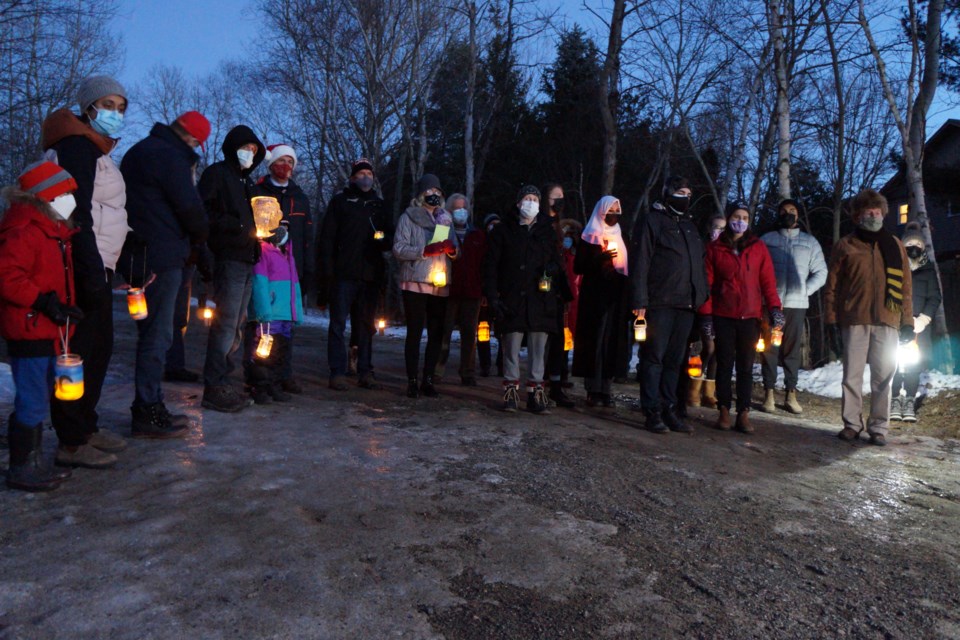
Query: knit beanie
{"points": [[361, 165], [912, 232], [426, 182], [93, 88], [492, 217], [46, 180], [673, 184], [277, 151], [527, 190]]}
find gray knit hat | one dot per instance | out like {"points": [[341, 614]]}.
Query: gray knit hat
{"points": [[426, 182], [528, 190], [93, 88]]}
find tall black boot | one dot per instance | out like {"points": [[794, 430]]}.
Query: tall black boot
{"points": [[27, 471]]}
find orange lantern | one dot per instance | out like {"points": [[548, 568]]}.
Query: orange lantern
{"points": [[483, 331], [206, 314], [761, 345], [381, 326], [137, 303], [567, 339], [694, 367]]}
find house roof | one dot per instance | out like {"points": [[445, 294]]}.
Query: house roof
{"points": [[949, 128]]}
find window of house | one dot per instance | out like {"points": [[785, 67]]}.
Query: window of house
{"points": [[904, 210]]}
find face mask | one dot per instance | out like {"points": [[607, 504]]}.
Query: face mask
{"points": [[679, 203], [107, 122], [738, 226], [568, 243], [871, 224], [64, 205], [611, 220], [460, 217], [914, 252], [245, 157], [715, 233], [434, 200], [788, 220], [529, 209], [364, 183], [281, 172], [558, 205]]}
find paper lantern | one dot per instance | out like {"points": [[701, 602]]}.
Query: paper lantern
{"points": [[137, 303], [68, 377], [640, 330], [266, 215], [483, 331]]}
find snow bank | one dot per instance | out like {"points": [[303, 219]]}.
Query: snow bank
{"points": [[827, 381]]}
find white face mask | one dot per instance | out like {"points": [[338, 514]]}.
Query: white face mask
{"points": [[64, 205], [245, 157], [529, 209]]}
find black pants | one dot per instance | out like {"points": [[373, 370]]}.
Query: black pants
{"points": [[908, 378], [423, 310], [662, 356], [75, 420], [736, 343], [787, 355], [266, 372]]}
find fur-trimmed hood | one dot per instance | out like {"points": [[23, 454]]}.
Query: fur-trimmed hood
{"points": [[20, 205]]}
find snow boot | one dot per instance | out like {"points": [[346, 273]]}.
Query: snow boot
{"points": [[27, 471], [791, 402], [709, 394], [896, 408], [511, 396], [909, 410], [694, 391], [536, 399]]}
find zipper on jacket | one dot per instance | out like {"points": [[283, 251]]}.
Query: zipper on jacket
{"points": [[66, 269]]}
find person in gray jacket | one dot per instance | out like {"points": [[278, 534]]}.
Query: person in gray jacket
{"points": [[801, 270]]}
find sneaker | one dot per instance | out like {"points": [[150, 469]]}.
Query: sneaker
{"points": [[338, 383], [878, 439], [427, 389], [107, 441], [536, 399], [368, 381], [413, 388], [290, 385], [224, 398], [848, 434], [261, 395], [511, 397], [560, 398], [181, 375], [896, 408], [85, 455], [176, 419], [655, 423], [909, 410], [151, 421], [673, 421]]}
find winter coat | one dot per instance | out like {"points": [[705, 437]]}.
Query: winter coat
{"points": [[36, 256], [518, 256], [165, 207], [414, 232], [798, 264], [740, 285], [226, 189], [468, 267], [602, 310], [276, 288], [346, 248], [855, 292], [296, 213], [666, 266], [101, 213], [926, 291]]}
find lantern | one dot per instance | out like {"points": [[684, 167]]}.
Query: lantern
{"points": [[761, 346], [137, 303], [545, 283], [640, 330], [266, 215], [612, 246], [381, 326], [68, 377], [694, 367], [567, 339], [206, 314], [908, 354], [439, 277], [265, 345], [483, 331], [378, 235], [776, 337]]}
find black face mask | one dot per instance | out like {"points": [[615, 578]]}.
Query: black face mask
{"points": [[679, 203], [787, 220], [914, 252], [611, 219], [558, 206], [434, 200]]}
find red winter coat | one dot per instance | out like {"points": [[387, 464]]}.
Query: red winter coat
{"points": [[740, 285], [35, 257]]}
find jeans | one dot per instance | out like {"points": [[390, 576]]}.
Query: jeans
{"points": [[176, 359], [232, 285], [536, 356], [358, 300], [33, 379], [154, 335], [661, 356], [465, 313], [422, 310], [736, 343], [787, 354]]}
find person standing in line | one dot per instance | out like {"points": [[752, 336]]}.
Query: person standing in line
{"points": [[226, 189], [357, 230], [555, 366], [572, 230], [669, 285], [868, 309], [601, 333], [800, 270], [741, 280], [703, 390], [82, 145], [483, 348]]}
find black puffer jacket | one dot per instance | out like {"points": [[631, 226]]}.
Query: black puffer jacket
{"points": [[667, 262], [926, 291], [296, 213], [346, 248], [518, 256], [226, 190]]}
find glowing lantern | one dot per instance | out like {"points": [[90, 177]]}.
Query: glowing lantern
{"points": [[694, 367], [266, 215], [206, 314], [439, 277], [378, 235], [381, 326], [908, 354], [68, 377], [640, 330], [545, 283], [761, 345], [567, 339], [265, 345], [612, 246], [137, 303], [776, 337], [483, 331]]}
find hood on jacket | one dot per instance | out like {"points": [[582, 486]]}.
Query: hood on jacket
{"points": [[14, 195], [236, 138], [62, 123]]}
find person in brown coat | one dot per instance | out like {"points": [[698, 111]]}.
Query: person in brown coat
{"points": [[868, 310]]}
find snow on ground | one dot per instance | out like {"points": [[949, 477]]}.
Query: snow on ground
{"points": [[827, 381], [6, 381]]}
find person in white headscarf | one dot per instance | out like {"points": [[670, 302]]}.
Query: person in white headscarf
{"points": [[602, 332]]}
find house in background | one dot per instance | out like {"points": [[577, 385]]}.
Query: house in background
{"points": [[941, 181]]}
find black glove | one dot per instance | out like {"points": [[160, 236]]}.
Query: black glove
{"points": [[279, 236], [49, 305], [835, 339], [132, 264], [907, 334]]}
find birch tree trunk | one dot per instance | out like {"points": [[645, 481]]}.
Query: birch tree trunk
{"points": [[609, 81], [775, 23]]}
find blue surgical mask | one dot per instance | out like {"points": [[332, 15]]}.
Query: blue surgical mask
{"points": [[460, 217], [107, 122], [568, 242], [245, 157]]}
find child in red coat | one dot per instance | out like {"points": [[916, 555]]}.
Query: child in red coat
{"points": [[36, 304]]}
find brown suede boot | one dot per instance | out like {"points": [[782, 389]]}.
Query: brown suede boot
{"points": [[792, 404], [723, 421], [769, 401], [710, 394], [693, 393], [743, 421]]}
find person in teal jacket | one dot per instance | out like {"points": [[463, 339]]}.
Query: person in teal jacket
{"points": [[275, 307]]}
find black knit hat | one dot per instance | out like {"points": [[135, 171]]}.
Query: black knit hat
{"points": [[674, 183], [426, 182], [357, 167], [527, 190], [792, 201]]}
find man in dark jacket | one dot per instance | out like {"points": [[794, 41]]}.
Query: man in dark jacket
{"points": [[166, 211], [226, 189], [669, 284], [299, 222], [357, 230]]}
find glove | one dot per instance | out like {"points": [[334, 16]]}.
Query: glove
{"points": [[906, 334], [433, 249], [777, 319], [132, 264], [921, 322], [279, 236], [448, 247], [835, 339], [706, 327], [49, 305]]}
